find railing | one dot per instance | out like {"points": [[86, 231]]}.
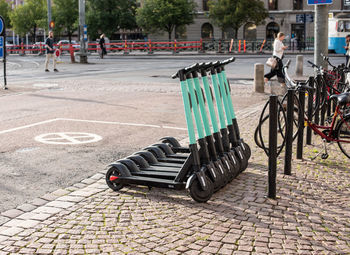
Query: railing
{"points": [[149, 47]]}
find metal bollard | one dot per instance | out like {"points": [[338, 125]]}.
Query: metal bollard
{"points": [[309, 111], [289, 133], [301, 124], [299, 65], [259, 83], [272, 147]]}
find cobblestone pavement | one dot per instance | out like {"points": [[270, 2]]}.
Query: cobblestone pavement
{"points": [[310, 216]]}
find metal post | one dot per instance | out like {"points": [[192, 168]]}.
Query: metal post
{"points": [[321, 34], [289, 132], [49, 18], [272, 147], [310, 110], [301, 124], [82, 53]]}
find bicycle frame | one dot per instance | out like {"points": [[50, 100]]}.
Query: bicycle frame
{"points": [[329, 137]]}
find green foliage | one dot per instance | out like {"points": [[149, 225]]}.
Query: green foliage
{"points": [[65, 14], [164, 15], [109, 16], [28, 17], [5, 9], [235, 13]]}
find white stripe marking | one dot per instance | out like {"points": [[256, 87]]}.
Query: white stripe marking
{"points": [[89, 121], [27, 126]]}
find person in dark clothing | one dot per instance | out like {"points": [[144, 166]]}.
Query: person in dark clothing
{"points": [[50, 53], [102, 45]]}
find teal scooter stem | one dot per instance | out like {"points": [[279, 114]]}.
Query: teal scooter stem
{"points": [[214, 174], [217, 146], [227, 171], [224, 130], [200, 186], [244, 146]]}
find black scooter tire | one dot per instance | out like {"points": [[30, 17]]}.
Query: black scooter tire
{"points": [[198, 194], [115, 186]]}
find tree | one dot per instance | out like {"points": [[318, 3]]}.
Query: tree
{"points": [[65, 14], [5, 9], [235, 13], [28, 17], [109, 16], [165, 15]]}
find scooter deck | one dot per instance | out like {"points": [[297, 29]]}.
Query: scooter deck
{"points": [[151, 182]]}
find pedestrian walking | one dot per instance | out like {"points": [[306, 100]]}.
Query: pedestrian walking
{"points": [[278, 50], [102, 45], [347, 48], [50, 53]]}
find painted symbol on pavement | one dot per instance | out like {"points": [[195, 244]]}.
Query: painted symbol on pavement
{"points": [[68, 138]]}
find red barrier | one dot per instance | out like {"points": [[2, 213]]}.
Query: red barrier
{"points": [[125, 46]]}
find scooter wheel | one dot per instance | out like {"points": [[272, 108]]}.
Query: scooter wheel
{"points": [[200, 195], [171, 141], [246, 150], [114, 185]]}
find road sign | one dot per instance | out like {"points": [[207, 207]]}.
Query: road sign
{"points": [[1, 46], [1, 26], [315, 2], [85, 32]]}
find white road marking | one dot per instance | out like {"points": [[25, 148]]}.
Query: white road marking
{"points": [[31, 61], [88, 121], [68, 138], [27, 126], [13, 63]]}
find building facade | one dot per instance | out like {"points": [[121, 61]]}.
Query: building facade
{"points": [[293, 17]]}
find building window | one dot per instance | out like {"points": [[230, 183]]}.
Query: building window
{"points": [[250, 32], [205, 5], [180, 32], [297, 4], [207, 31], [346, 4], [272, 30], [273, 4]]}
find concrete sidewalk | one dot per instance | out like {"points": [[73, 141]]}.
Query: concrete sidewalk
{"points": [[310, 216]]}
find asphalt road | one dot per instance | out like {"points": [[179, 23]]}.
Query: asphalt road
{"points": [[59, 128]]}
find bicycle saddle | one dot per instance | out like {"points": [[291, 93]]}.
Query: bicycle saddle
{"points": [[342, 99]]}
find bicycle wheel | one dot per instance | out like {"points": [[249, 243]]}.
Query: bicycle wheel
{"points": [[261, 135], [343, 134], [296, 110]]}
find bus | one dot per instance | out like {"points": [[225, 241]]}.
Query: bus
{"points": [[338, 28]]}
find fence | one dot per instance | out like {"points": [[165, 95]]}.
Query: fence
{"points": [[149, 47]]}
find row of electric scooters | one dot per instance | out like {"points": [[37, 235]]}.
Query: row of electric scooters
{"points": [[222, 155]]}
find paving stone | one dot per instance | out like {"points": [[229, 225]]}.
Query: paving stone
{"points": [[13, 213], [38, 202], [34, 216], [26, 207], [21, 223], [47, 210], [60, 204], [11, 231], [60, 192], [3, 219], [70, 198]]}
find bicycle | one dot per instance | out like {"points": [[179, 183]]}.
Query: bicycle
{"points": [[337, 129]]}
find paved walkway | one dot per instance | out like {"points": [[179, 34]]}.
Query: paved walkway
{"points": [[310, 216]]}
